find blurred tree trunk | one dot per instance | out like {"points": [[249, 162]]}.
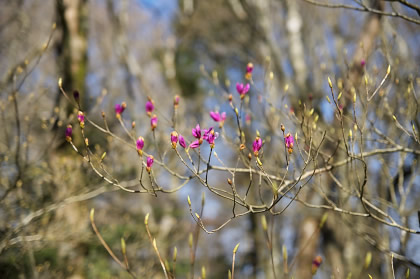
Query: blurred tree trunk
{"points": [[296, 49], [71, 46], [72, 63]]}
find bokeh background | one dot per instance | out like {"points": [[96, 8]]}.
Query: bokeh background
{"points": [[113, 51]]}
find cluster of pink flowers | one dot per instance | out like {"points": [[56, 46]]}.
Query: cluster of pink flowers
{"points": [[208, 134], [175, 137], [288, 141]]}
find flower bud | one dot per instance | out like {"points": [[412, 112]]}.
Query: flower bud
{"points": [[69, 132], [149, 163], [316, 263], [174, 139], [153, 122], [76, 96], [176, 101], [264, 222], [140, 145], [81, 118], [150, 107], [330, 83]]}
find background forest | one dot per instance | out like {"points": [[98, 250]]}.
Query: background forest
{"points": [[313, 169]]}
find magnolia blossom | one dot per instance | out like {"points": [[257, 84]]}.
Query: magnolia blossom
{"points": [[174, 139], [153, 122], [182, 141], [81, 118], [150, 107], [256, 146], [149, 163], [140, 145], [69, 132], [288, 140], [208, 133], [218, 117], [210, 137], [119, 109], [196, 143], [242, 89], [196, 132]]}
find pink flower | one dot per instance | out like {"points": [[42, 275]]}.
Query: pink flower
{"points": [[196, 132], [363, 63], [119, 109], [150, 107], [218, 117], [174, 139], [210, 137], [182, 141], [140, 145], [196, 143], [69, 132], [81, 118], [149, 163], [208, 133], [153, 122], [242, 90], [256, 146], [288, 140]]}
